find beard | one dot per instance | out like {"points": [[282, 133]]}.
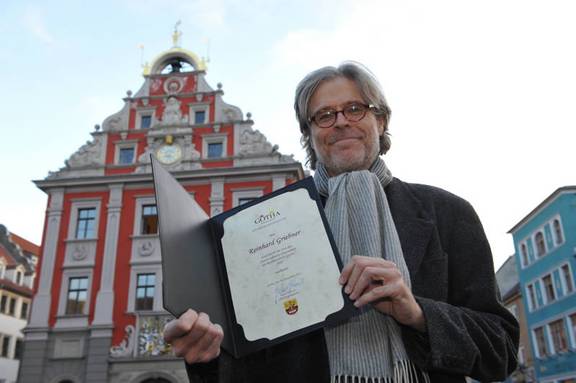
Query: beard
{"points": [[338, 162]]}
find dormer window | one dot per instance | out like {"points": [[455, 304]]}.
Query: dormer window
{"points": [[145, 121], [18, 277], [2, 269], [126, 156], [199, 117]]}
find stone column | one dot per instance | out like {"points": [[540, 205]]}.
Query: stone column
{"points": [[41, 304], [102, 325], [217, 197]]}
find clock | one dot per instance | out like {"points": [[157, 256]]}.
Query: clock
{"points": [[168, 154]]}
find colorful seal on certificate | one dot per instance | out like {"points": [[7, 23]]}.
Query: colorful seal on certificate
{"points": [[291, 306]]}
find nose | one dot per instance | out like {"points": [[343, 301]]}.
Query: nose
{"points": [[341, 120]]}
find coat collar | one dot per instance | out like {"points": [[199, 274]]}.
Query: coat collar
{"points": [[413, 224]]}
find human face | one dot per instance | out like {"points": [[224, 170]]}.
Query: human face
{"points": [[346, 146]]}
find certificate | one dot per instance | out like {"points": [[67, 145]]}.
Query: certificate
{"points": [[281, 267], [266, 271]]}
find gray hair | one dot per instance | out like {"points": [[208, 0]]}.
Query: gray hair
{"points": [[367, 85]]}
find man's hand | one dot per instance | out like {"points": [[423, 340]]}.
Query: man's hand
{"points": [[194, 337], [379, 282]]}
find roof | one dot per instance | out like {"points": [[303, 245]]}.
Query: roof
{"points": [[543, 204], [6, 284], [507, 276], [26, 245]]}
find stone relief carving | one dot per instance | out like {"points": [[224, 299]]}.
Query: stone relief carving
{"points": [[79, 252], [89, 154], [172, 113], [126, 347], [174, 85], [117, 121], [190, 156], [231, 114], [254, 142], [146, 248]]}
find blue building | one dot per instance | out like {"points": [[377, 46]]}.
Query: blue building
{"points": [[545, 244]]}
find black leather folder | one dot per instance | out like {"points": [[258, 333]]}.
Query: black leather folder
{"points": [[194, 267]]}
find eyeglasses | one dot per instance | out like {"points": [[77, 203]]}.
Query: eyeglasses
{"points": [[353, 112]]}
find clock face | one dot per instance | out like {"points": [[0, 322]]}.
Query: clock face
{"points": [[168, 154]]}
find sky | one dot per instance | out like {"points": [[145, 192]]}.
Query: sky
{"points": [[482, 93]]}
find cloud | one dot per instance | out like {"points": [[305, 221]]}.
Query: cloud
{"points": [[33, 21]]}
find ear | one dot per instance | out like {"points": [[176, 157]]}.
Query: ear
{"points": [[381, 121]]}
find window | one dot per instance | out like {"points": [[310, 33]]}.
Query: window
{"points": [[5, 346], [559, 238], [145, 121], [559, 338], [541, 345], [572, 325], [524, 253], [149, 219], [18, 349], [12, 309], [86, 223], [549, 288], [2, 269], [532, 297], [18, 277], [3, 303], [145, 284], [215, 149], [24, 310], [568, 282], [77, 295], [126, 156], [540, 244], [200, 117], [243, 200]]}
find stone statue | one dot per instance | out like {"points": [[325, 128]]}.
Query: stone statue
{"points": [[172, 114]]}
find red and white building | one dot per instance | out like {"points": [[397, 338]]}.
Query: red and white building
{"points": [[97, 313]]}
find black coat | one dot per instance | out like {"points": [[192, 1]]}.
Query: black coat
{"points": [[469, 333]]}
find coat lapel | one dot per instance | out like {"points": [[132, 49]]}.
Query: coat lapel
{"points": [[413, 224]]}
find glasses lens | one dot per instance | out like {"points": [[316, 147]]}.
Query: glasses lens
{"points": [[354, 112], [325, 118]]}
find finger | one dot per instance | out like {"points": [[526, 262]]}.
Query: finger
{"points": [[378, 293], [203, 350], [370, 275], [345, 274], [181, 326], [213, 349]]}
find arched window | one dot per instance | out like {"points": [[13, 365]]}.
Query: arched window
{"points": [[558, 231], [524, 253], [540, 244]]}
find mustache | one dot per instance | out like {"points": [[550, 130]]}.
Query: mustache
{"points": [[337, 136]]}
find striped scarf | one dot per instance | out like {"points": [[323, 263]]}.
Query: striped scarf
{"points": [[369, 346]]}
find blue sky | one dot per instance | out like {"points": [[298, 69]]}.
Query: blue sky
{"points": [[482, 93]]}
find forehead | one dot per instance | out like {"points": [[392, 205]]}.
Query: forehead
{"points": [[334, 92]]}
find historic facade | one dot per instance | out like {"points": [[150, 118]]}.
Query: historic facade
{"points": [[509, 285], [545, 243], [97, 314], [18, 260]]}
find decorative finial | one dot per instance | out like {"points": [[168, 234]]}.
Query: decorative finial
{"points": [[129, 93], [176, 35], [219, 85], [97, 127], [249, 116]]}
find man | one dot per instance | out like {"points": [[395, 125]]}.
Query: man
{"points": [[416, 259]]}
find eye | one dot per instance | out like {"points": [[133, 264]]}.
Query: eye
{"points": [[324, 115], [354, 109]]}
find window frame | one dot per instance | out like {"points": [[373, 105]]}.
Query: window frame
{"points": [[546, 287], [125, 145], [146, 288], [537, 343], [3, 344], [524, 255], [563, 279], [199, 107], [142, 201], [214, 139], [63, 297], [562, 327], [74, 211], [144, 269], [553, 221], [148, 111], [245, 193], [537, 234]]}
